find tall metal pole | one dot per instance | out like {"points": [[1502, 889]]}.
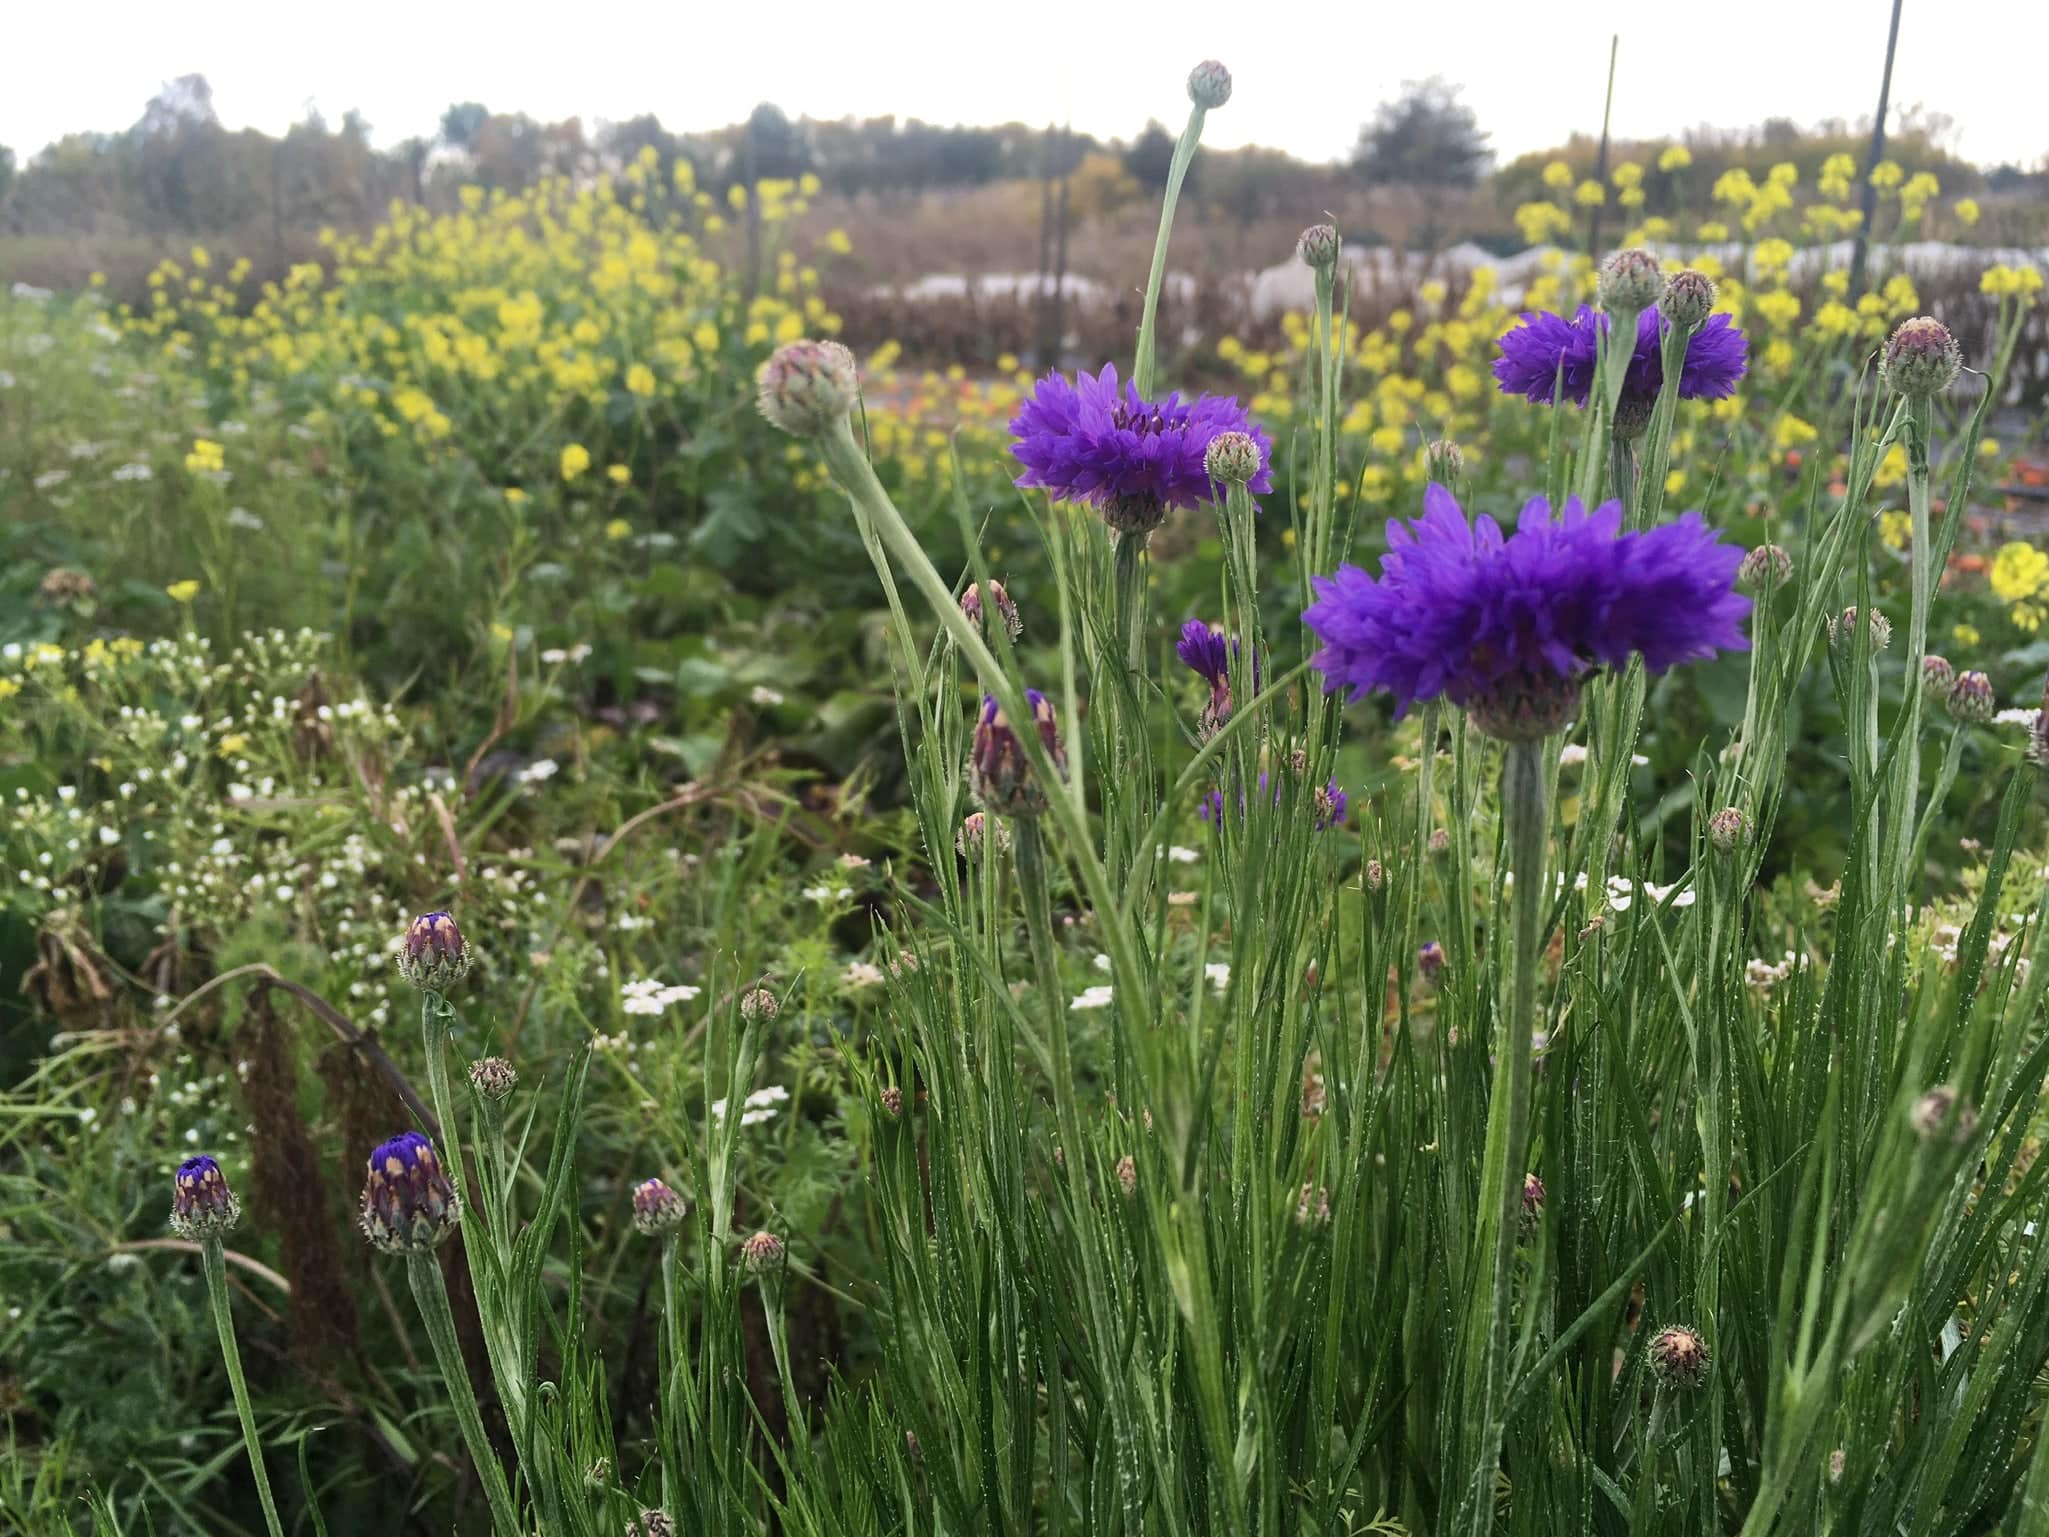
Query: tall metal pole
{"points": [[1601, 160], [1870, 199]]}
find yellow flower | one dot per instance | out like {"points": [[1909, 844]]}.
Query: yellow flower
{"points": [[1627, 174], [1791, 432], [1896, 529], [1734, 187], [183, 592], [1966, 210], [514, 495], [1590, 194], [1713, 229], [2004, 282], [1558, 176], [233, 745], [1886, 175], [1965, 635], [9, 687], [836, 241], [1675, 482], [206, 457], [2018, 571], [618, 529], [575, 460], [1677, 157], [640, 380], [1988, 448], [1778, 308], [502, 633], [618, 474]]}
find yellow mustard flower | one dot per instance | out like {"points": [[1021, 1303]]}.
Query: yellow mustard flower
{"points": [[2018, 571], [1677, 157], [183, 592], [575, 460], [618, 474]]}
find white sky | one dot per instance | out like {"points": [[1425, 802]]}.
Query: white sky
{"points": [[1307, 74]]}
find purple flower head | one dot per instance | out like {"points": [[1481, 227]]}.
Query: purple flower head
{"points": [[1547, 358], [202, 1205], [999, 771], [1096, 442], [1330, 804], [1205, 651], [1506, 625], [408, 1204]]}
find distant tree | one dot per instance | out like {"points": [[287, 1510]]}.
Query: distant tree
{"points": [[6, 171], [182, 103], [462, 122], [355, 126], [1151, 157], [772, 148], [1426, 137]]}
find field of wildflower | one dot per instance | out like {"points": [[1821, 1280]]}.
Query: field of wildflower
{"points": [[625, 915]]}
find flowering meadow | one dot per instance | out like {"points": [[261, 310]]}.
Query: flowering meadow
{"points": [[628, 918]]}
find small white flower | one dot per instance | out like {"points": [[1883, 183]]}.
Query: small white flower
{"points": [[861, 974], [1572, 754], [1180, 856], [1097, 997], [1219, 975], [824, 896], [2016, 717], [762, 694], [554, 656], [539, 770]]}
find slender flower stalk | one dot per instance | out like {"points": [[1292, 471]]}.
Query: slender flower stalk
{"points": [[205, 1210]]}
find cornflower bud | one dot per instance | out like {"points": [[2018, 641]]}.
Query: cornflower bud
{"points": [[758, 1004], [1319, 247], [1533, 1200], [999, 772], [1921, 358], [1937, 678], [1444, 461], [1728, 830], [1209, 85], [892, 1101], [1440, 840], [1006, 606], [1376, 875], [1846, 629], [761, 1253], [598, 1474], [493, 1078], [1630, 281], [1688, 300], [1970, 699], [202, 1205], [1933, 1110], [434, 956], [657, 1209], [1232, 457], [1679, 1356], [651, 1523], [973, 828], [1430, 961], [408, 1204], [807, 387], [1764, 569], [1313, 1206], [1127, 1174]]}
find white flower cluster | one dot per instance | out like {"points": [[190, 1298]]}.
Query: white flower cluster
{"points": [[647, 996], [755, 1108]]}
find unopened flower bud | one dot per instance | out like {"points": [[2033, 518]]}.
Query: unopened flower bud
{"points": [[1313, 1206], [1630, 281], [1689, 299], [1440, 840], [1319, 246], [1728, 830], [807, 387], [976, 826], [1764, 569], [434, 956], [1005, 605], [1209, 85], [762, 1253], [1527, 706], [1847, 630], [1937, 679], [1679, 1356], [1430, 961], [758, 1005], [408, 1204], [1533, 1200], [1232, 457], [202, 1205], [1127, 1174], [1134, 513], [1921, 358], [651, 1523], [1938, 1109], [1376, 875], [598, 1474], [1444, 462], [493, 1078], [999, 772], [657, 1209], [892, 1101], [1970, 699]]}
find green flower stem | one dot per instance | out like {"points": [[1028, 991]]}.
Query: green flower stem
{"points": [[1622, 476], [424, 1272], [215, 1261], [1143, 366], [1908, 781], [1508, 1124], [1129, 566]]}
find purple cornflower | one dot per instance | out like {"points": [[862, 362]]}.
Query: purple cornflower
{"points": [[1506, 626], [1097, 442], [408, 1204], [999, 772], [1534, 353], [202, 1205], [1210, 654]]}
